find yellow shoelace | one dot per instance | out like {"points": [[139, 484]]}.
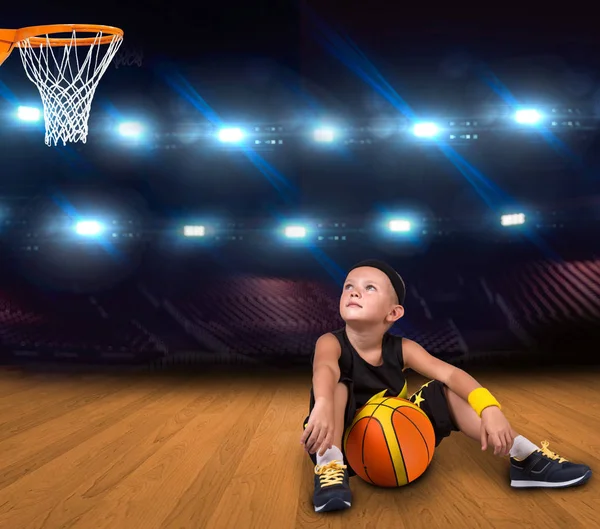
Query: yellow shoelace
{"points": [[548, 453], [331, 473]]}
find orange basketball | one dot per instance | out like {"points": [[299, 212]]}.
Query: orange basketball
{"points": [[390, 442]]}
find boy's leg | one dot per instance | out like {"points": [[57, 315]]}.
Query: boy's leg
{"points": [[465, 417], [332, 487], [530, 466], [340, 399], [345, 410], [340, 402]]}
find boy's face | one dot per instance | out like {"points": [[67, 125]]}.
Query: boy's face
{"points": [[369, 297]]}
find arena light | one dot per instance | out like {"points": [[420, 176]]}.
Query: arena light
{"points": [[513, 219], [527, 116], [194, 231], [295, 232], [131, 129], [231, 135], [29, 113], [399, 225], [425, 130], [324, 135], [88, 228]]}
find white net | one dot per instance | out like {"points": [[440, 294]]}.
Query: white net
{"points": [[67, 82], [129, 56]]}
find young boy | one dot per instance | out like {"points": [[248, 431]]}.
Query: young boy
{"points": [[362, 359]]}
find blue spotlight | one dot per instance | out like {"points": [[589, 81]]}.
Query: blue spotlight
{"points": [[88, 228], [194, 231], [29, 114], [231, 135], [131, 129], [403, 231], [324, 135], [399, 225], [527, 116], [514, 219], [295, 232], [425, 130]]}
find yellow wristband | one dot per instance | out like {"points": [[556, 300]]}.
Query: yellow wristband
{"points": [[480, 399]]}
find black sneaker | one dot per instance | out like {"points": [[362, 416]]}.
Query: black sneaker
{"points": [[332, 487], [544, 468]]}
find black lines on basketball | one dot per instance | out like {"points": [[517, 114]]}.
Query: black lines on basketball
{"points": [[364, 436], [401, 412]]}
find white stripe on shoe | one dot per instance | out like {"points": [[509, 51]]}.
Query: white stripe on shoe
{"points": [[550, 484], [333, 504]]}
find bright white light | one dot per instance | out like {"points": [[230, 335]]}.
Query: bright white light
{"points": [[527, 117], [230, 135], [513, 219], [88, 228], [295, 232], [29, 114], [324, 135], [194, 231], [425, 130], [399, 225], [131, 129]]}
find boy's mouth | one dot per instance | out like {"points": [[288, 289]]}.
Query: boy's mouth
{"points": [[353, 304]]}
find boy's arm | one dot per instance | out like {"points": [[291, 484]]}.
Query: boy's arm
{"points": [[419, 360], [494, 424], [326, 368]]}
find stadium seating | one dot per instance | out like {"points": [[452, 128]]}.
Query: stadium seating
{"points": [[453, 313], [31, 319], [546, 293]]}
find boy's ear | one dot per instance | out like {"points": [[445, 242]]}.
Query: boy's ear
{"points": [[396, 313]]}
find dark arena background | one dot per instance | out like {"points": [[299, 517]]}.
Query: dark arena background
{"points": [[163, 284]]}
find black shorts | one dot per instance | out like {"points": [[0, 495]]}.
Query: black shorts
{"points": [[430, 397]]}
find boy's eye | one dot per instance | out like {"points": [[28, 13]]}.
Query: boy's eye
{"points": [[368, 287]]}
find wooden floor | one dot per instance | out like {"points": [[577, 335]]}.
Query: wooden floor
{"points": [[93, 451]]}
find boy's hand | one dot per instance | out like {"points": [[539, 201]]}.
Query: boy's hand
{"points": [[496, 430], [320, 428]]}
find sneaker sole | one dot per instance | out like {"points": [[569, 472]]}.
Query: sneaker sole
{"points": [[334, 504], [549, 485]]}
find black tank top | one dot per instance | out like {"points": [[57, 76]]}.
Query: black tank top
{"points": [[367, 379]]}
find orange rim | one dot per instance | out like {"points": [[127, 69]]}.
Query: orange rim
{"points": [[32, 33], [7, 43]]}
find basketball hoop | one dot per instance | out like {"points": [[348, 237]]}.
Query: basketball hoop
{"points": [[66, 81]]}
